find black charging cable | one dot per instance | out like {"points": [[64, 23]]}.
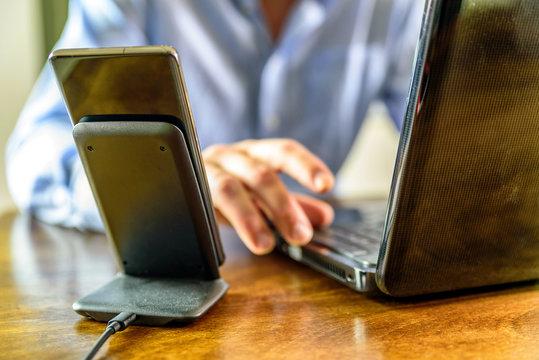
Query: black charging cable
{"points": [[119, 323]]}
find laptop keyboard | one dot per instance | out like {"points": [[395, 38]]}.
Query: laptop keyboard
{"points": [[359, 239]]}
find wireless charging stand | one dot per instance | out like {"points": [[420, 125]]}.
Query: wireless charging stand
{"points": [[149, 197]]}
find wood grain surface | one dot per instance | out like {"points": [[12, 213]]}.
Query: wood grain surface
{"points": [[275, 309]]}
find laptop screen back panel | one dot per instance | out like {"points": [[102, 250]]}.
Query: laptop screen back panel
{"points": [[464, 206]]}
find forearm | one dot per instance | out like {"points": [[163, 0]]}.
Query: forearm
{"points": [[46, 179]]}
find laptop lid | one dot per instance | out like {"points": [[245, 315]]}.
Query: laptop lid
{"points": [[464, 205]]}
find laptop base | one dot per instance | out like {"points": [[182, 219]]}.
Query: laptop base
{"points": [[358, 276]]}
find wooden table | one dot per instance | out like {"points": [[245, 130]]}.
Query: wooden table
{"points": [[275, 309]]}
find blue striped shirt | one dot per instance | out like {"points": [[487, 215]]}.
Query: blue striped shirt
{"points": [[313, 84]]}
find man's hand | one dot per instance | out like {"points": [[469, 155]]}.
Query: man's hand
{"points": [[246, 189]]}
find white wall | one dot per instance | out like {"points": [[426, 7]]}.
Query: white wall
{"points": [[20, 63], [368, 170]]}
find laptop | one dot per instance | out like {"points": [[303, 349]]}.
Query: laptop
{"points": [[463, 209]]}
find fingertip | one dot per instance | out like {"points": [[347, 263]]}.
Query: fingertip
{"points": [[323, 181], [319, 212], [263, 244], [301, 233], [328, 215]]}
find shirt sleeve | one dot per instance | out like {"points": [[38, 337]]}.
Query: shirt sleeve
{"points": [[45, 175], [405, 25]]}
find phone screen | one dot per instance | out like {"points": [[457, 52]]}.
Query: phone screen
{"points": [[142, 84]]}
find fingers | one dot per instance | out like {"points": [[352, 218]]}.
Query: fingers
{"points": [[221, 219], [233, 203], [268, 193], [292, 158], [246, 190], [320, 214]]}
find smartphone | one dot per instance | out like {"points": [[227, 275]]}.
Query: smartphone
{"points": [[139, 92]]}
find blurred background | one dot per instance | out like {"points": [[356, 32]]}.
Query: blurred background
{"points": [[28, 31]]}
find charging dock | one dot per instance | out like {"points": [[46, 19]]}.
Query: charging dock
{"points": [[156, 301], [149, 196]]}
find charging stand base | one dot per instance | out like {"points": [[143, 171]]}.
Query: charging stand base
{"points": [[156, 301]]}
